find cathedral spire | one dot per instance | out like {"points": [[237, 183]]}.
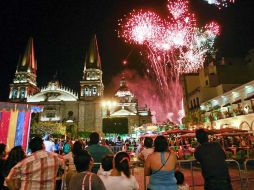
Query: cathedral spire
{"points": [[123, 81], [28, 62], [24, 83], [93, 60]]}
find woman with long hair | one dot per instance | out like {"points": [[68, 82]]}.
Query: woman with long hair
{"points": [[160, 166], [15, 155], [120, 173]]}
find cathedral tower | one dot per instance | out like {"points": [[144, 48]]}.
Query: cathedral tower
{"points": [[91, 91], [91, 86], [24, 83]]}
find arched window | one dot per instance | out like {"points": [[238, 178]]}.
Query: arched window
{"points": [[86, 92], [191, 104], [194, 102], [14, 93], [94, 90], [22, 92], [197, 99]]}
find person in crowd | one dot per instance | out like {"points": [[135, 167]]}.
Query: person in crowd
{"points": [[97, 151], [56, 146], [212, 159], [160, 166], [67, 146], [84, 178], [77, 148], [119, 142], [181, 185], [15, 155], [148, 148], [38, 171], [106, 165], [140, 147], [120, 177], [104, 142], [49, 145], [2, 164]]}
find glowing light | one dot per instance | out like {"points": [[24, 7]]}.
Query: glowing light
{"points": [[173, 46], [176, 40], [220, 3], [125, 62]]}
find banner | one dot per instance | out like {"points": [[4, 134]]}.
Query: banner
{"points": [[15, 123]]}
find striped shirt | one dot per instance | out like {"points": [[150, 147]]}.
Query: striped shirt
{"points": [[38, 171]]}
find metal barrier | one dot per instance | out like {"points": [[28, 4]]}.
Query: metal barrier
{"points": [[231, 161], [249, 170], [116, 149]]}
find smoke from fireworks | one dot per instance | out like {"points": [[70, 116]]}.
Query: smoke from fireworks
{"points": [[173, 46], [220, 3]]}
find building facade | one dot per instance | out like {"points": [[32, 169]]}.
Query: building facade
{"points": [[234, 109], [214, 79], [84, 109], [125, 104]]}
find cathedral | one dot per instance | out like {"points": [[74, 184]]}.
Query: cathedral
{"points": [[86, 108]]}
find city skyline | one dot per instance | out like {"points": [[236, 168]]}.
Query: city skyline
{"points": [[62, 32]]}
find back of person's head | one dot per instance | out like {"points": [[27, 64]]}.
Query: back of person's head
{"points": [[148, 142], [201, 136], [122, 163], [94, 138], [15, 155], [35, 144], [160, 144], [77, 148], [107, 162], [179, 177], [82, 161], [119, 138], [2, 149]]}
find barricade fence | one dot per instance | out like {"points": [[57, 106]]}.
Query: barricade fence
{"points": [[193, 174]]}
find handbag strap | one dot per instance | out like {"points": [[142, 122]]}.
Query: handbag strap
{"points": [[89, 181], [163, 164]]}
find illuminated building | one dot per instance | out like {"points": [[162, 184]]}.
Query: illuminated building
{"points": [[234, 108], [63, 105], [214, 80], [125, 105]]}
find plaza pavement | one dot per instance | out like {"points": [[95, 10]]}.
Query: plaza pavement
{"points": [[198, 179]]}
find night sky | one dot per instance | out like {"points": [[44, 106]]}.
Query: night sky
{"points": [[62, 31]]}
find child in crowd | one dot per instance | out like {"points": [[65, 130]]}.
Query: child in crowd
{"points": [[106, 165], [120, 177], [180, 181]]}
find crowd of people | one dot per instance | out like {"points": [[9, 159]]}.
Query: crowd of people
{"points": [[94, 165]]}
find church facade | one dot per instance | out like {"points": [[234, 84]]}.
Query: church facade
{"points": [[62, 104]]}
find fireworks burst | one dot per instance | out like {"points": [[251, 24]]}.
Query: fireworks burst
{"points": [[220, 3], [173, 46]]}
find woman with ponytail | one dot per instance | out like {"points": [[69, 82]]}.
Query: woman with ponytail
{"points": [[120, 177]]}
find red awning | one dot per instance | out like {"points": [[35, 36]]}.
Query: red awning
{"points": [[175, 131], [237, 101], [250, 97]]}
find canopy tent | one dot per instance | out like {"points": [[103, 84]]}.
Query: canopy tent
{"points": [[15, 123], [175, 131], [228, 130]]}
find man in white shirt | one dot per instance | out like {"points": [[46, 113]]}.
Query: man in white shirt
{"points": [[49, 145]]}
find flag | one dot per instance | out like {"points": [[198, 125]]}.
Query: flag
{"points": [[15, 123]]}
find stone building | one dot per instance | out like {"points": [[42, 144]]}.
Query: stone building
{"points": [[84, 109]]}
